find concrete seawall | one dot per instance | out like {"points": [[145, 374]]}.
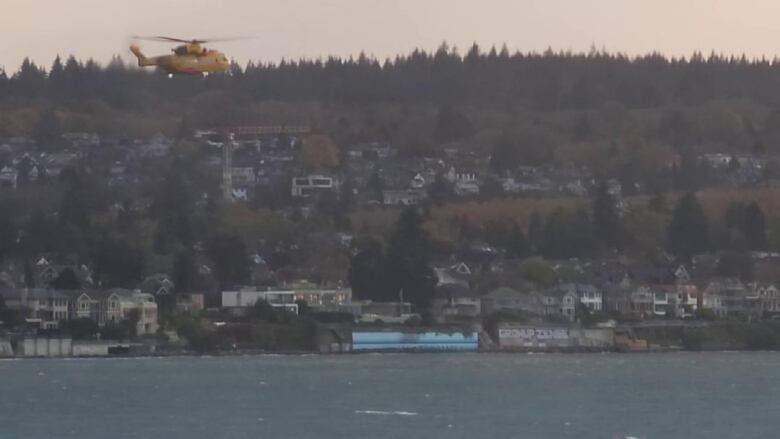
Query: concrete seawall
{"points": [[534, 338]]}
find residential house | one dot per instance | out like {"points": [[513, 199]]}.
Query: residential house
{"points": [[505, 299], [730, 298], [683, 299], [575, 187], [49, 306], [244, 177], [136, 305], [45, 272], [403, 197], [418, 182], [190, 303], [311, 184], [324, 299], [159, 284], [454, 303], [632, 302], [770, 298], [587, 294], [387, 312], [86, 306], [508, 300], [8, 177], [642, 302], [157, 147], [459, 273], [81, 139], [465, 180], [42, 307], [115, 305], [569, 302], [240, 301]]}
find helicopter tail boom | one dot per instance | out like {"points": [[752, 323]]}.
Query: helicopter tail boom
{"points": [[142, 60]]}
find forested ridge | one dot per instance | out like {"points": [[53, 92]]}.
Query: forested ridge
{"points": [[537, 81]]}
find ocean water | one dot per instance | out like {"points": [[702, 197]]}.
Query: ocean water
{"points": [[598, 396]]}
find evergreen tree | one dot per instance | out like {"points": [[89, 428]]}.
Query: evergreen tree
{"points": [[606, 221], [566, 234], [47, 132], [452, 124], [738, 265], [408, 274], [118, 263], [367, 274], [518, 246], [30, 80], [534, 235], [7, 234], [440, 191], [56, 76], [375, 186], [185, 272], [688, 231], [67, 280], [505, 156], [229, 255], [658, 203], [755, 227], [29, 274], [747, 222]]}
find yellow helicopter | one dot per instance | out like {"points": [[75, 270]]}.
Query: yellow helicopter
{"points": [[190, 58]]}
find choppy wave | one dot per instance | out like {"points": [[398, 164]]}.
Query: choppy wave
{"points": [[385, 413]]}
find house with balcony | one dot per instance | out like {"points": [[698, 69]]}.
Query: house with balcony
{"points": [[327, 298], [730, 298], [114, 306], [240, 301], [41, 307]]}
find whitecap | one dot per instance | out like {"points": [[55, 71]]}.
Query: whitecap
{"points": [[385, 413]]}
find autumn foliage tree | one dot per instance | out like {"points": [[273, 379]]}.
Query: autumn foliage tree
{"points": [[318, 152]]}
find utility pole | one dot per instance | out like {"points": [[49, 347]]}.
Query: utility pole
{"points": [[227, 167]]}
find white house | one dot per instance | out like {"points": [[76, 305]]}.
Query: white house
{"points": [[8, 177], [141, 304], [306, 186], [403, 197], [239, 301], [770, 298], [588, 295]]}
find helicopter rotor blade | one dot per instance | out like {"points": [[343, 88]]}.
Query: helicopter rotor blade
{"points": [[221, 40], [163, 39]]}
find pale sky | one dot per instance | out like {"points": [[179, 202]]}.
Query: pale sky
{"points": [[317, 28]]}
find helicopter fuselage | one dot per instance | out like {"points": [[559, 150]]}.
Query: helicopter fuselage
{"points": [[187, 62]]}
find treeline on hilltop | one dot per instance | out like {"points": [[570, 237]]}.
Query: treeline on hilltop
{"points": [[538, 81]]}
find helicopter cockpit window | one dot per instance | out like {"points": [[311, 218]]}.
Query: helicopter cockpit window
{"points": [[181, 50]]}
